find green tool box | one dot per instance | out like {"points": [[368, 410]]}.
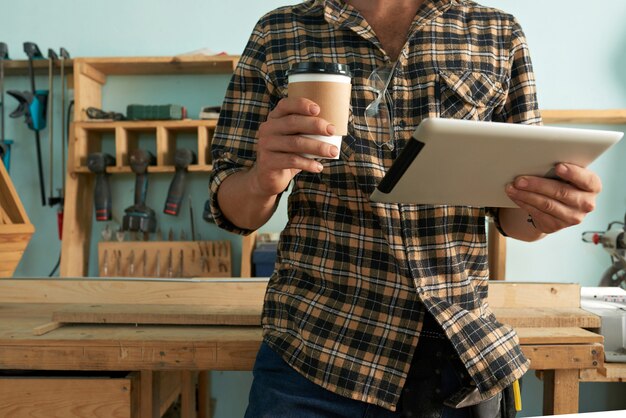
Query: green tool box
{"points": [[155, 112]]}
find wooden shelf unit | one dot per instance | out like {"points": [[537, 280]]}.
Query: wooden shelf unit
{"points": [[90, 77], [88, 138], [582, 117], [20, 67]]}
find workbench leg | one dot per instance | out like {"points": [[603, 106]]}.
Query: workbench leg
{"points": [[150, 392], [204, 395], [560, 392], [188, 394], [77, 216]]}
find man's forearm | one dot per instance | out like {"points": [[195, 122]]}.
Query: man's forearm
{"points": [[241, 203], [515, 223]]}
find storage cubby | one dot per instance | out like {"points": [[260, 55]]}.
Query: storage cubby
{"points": [[120, 138], [159, 137]]}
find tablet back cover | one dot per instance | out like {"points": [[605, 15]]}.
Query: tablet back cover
{"points": [[469, 163]]}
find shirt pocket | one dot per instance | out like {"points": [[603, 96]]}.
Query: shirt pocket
{"points": [[469, 94]]}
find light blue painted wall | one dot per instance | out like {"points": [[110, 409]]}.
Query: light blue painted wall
{"points": [[579, 52]]}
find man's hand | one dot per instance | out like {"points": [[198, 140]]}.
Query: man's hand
{"points": [[554, 204], [248, 198], [280, 144]]}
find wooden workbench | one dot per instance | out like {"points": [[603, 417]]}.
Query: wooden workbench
{"points": [[552, 333]]}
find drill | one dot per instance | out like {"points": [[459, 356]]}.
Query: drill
{"points": [[97, 163], [182, 159], [140, 217]]}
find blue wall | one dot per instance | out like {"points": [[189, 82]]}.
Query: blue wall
{"points": [[579, 52]]}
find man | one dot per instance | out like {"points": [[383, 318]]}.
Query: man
{"points": [[378, 309]]}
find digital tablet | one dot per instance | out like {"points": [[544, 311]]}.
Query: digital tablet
{"points": [[469, 163]]}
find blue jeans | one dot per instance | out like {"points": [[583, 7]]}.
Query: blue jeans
{"points": [[280, 391]]}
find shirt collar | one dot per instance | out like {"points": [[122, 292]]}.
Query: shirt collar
{"points": [[340, 13]]}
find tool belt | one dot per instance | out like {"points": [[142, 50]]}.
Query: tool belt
{"points": [[438, 384]]}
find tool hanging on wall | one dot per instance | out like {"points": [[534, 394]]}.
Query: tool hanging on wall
{"points": [[5, 145], [182, 159], [140, 217], [32, 105], [97, 163], [64, 55], [52, 58]]}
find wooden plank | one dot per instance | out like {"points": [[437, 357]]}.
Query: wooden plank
{"points": [[16, 232], [13, 241], [203, 147], [537, 295], [559, 357], [11, 256], [135, 394], [247, 246], [205, 403], [21, 67], [610, 372], [158, 314], [4, 217], [189, 125], [613, 370], [92, 73], [170, 389], [7, 270], [78, 211], [557, 336], [547, 317], [560, 392], [188, 394], [150, 391], [87, 90], [22, 397], [198, 64], [237, 292], [611, 116], [46, 328], [151, 355]]}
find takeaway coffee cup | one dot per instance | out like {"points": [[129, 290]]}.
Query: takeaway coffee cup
{"points": [[328, 85]]}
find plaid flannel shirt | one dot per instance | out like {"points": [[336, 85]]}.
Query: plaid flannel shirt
{"points": [[353, 278]]}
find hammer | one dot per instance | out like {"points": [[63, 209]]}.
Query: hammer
{"points": [[97, 163], [139, 217], [182, 159]]}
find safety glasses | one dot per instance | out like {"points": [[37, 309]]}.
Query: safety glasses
{"points": [[378, 114]]}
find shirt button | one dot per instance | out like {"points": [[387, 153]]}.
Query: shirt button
{"points": [[437, 391], [402, 124], [437, 371]]}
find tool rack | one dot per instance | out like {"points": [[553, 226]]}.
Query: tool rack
{"points": [[90, 77]]}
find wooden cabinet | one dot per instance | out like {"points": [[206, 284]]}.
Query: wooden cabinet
{"points": [[90, 77]]}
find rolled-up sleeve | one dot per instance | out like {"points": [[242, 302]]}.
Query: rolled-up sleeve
{"points": [[249, 98]]}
